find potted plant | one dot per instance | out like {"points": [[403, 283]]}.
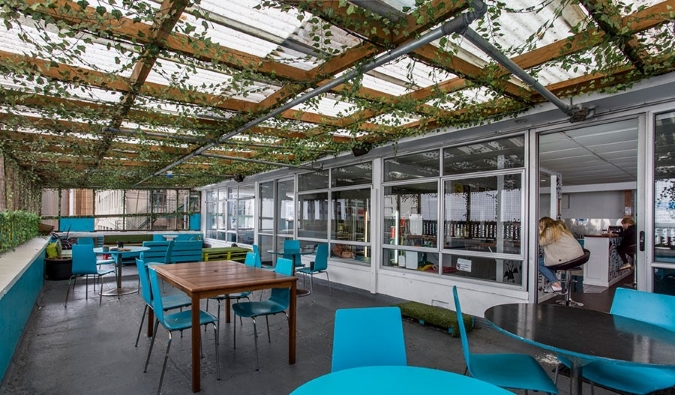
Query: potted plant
{"points": [[57, 266]]}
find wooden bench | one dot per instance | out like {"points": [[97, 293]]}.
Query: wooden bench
{"points": [[224, 253]]}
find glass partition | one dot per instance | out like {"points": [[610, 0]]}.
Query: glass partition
{"points": [[664, 188], [313, 215], [506, 153]]}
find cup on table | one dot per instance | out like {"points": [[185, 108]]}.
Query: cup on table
{"points": [[105, 248]]}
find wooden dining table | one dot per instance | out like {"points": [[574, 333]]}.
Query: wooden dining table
{"points": [[200, 280]]}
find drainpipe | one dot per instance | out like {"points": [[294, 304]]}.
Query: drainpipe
{"points": [[576, 113], [456, 24]]}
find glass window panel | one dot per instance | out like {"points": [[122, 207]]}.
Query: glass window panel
{"points": [[211, 220], [483, 214], [664, 188], [266, 198], [411, 214], [245, 218], [313, 215], [286, 207], [313, 181], [357, 254], [411, 260], [351, 215], [506, 153], [266, 244], [483, 268], [423, 164], [359, 174]]}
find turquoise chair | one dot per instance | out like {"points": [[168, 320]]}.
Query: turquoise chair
{"points": [[370, 336], [170, 302], [90, 241], [174, 322], [249, 261], [656, 309], [511, 371], [292, 251], [277, 303], [84, 264], [319, 265]]}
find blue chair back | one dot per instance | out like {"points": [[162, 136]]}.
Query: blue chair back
{"points": [[371, 336], [84, 259], [256, 250], [321, 259], [252, 260], [292, 251], [462, 329], [656, 309], [146, 293], [282, 296], [157, 304]]}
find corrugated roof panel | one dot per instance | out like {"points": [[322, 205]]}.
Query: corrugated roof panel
{"points": [[460, 99], [330, 106], [82, 93], [410, 74], [167, 72], [394, 118], [95, 56], [654, 39]]}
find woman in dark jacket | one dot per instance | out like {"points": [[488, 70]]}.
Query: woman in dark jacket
{"points": [[626, 247]]}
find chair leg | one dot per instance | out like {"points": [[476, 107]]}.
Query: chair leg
{"points": [[152, 343], [330, 289], [311, 284], [166, 358], [100, 293], [140, 327], [269, 339], [255, 341], [86, 287], [68, 290], [235, 336], [216, 331]]}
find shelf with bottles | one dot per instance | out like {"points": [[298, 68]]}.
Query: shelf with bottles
{"points": [[487, 230]]}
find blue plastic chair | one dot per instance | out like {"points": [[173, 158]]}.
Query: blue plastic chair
{"points": [[319, 265], [165, 259], [170, 302], [292, 251], [370, 336], [174, 322], [278, 302], [656, 309], [90, 241], [512, 371], [249, 261], [84, 264]]}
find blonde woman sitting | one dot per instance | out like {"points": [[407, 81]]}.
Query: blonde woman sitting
{"points": [[559, 246]]}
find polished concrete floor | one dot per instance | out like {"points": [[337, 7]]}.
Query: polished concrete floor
{"points": [[89, 349]]}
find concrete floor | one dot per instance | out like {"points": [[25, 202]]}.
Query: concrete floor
{"points": [[87, 349]]}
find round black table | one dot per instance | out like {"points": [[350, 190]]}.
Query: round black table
{"points": [[584, 335]]}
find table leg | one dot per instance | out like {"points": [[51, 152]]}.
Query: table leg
{"points": [[576, 381], [119, 290], [291, 324], [196, 339], [227, 310]]}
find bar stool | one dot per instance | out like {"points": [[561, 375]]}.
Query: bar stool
{"points": [[568, 267]]}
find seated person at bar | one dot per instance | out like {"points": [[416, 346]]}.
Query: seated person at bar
{"points": [[626, 247], [342, 251], [559, 246]]}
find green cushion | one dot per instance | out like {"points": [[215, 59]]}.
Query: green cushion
{"points": [[434, 315]]}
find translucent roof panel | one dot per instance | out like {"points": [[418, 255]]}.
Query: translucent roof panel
{"points": [[410, 74], [64, 90], [328, 105], [458, 100], [35, 41], [167, 72], [239, 25], [172, 108], [394, 118]]}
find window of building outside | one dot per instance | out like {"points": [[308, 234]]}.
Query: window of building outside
{"points": [[286, 215], [480, 216], [211, 201], [245, 214], [483, 211], [664, 201], [410, 234], [482, 227], [333, 207]]}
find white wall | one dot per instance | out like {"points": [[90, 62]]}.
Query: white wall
{"points": [[604, 204]]}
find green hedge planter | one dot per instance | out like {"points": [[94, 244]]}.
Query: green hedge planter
{"points": [[436, 316]]}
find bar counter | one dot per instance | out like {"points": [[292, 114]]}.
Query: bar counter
{"points": [[603, 267]]}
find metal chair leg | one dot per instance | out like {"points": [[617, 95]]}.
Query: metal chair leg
{"points": [[152, 343], [255, 340], [166, 358], [140, 327]]}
